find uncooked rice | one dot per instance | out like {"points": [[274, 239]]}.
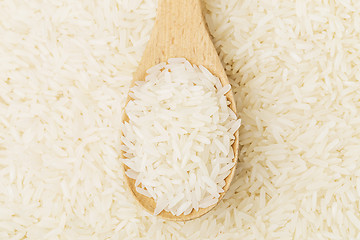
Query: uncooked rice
{"points": [[178, 139], [65, 70]]}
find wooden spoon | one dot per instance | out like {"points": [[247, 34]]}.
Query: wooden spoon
{"points": [[180, 31]]}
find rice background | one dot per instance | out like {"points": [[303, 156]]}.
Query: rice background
{"points": [[65, 68]]}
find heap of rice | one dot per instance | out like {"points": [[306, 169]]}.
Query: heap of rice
{"points": [[178, 139], [65, 70]]}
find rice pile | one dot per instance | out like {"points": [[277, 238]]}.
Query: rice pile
{"points": [[177, 141], [65, 70]]}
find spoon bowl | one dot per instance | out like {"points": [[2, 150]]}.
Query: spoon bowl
{"points": [[180, 32]]}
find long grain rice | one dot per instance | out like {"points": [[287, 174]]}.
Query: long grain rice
{"points": [[65, 69]]}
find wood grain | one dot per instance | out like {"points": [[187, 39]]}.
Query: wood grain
{"points": [[180, 31]]}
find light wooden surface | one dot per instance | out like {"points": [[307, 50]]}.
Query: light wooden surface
{"points": [[180, 31]]}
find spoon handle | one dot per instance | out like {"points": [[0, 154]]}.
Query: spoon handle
{"points": [[179, 31], [179, 27]]}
